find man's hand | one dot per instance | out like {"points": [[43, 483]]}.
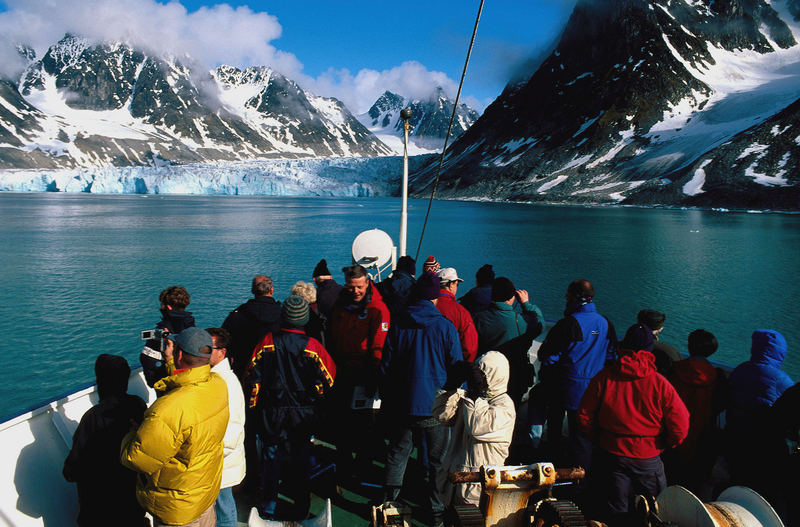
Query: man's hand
{"points": [[169, 349], [522, 295]]}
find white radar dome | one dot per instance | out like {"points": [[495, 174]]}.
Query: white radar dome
{"points": [[372, 248]]}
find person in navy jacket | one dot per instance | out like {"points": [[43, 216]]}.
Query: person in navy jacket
{"points": [[420, 347]]}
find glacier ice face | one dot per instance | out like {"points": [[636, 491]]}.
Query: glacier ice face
{"points": [[352, 177]]}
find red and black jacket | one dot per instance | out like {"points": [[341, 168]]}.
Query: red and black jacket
{"points": [[289, 375]]}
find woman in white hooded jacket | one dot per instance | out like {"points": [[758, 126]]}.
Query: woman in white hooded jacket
{"points": [[483, 424]]}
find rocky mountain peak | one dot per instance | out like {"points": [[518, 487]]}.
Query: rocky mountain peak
{"points": [[429, 120], [85, 103], [385, 105], [635, 94]]}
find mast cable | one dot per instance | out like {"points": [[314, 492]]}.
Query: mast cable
{"points": [[449, 128]]}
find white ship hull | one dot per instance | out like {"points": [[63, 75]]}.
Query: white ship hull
{"points": [[33, 447]]}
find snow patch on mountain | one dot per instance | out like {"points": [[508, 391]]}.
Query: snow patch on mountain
{"points": [[694, 186]]}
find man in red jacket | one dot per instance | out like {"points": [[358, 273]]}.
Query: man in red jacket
{"points": [[456, 313], [358, 326], [703, 389], [632, 413]]}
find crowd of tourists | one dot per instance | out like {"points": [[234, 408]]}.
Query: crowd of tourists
{"points": [[379, 368]]}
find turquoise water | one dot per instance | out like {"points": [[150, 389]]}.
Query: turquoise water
{"points": [[81, 273]]}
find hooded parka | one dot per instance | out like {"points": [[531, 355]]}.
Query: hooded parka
{"points": [[178, 447], [482, 429], [631, 410], [756, 384]]}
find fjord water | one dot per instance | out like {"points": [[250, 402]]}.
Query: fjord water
{"points": [[81, 273]]}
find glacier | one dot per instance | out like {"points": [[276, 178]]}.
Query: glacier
{"points": [[344, 177]]}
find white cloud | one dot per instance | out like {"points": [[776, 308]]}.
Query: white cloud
{"points": [[359, 91], [213, 35]]}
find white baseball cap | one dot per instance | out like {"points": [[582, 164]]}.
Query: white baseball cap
{"points": [[448, 274]]}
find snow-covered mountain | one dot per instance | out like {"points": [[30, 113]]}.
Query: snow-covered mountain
{"points": [[86, 104], [682, 102], [429, 120]]}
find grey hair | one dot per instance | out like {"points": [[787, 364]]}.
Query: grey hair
{"points": [[262, 285], [306, 291]]}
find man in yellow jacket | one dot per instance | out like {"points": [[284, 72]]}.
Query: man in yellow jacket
{"points": [[177, 449]]}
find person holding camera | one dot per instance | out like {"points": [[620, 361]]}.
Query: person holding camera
{"points": [[481, 419], [174, 319], [510, 331], [178, 448]]}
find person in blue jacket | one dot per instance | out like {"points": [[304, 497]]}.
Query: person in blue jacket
{"points": [[420, 347], [574, 351], [754, 386]]}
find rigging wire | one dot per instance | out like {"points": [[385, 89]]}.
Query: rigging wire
{"points": [[449, 128]]}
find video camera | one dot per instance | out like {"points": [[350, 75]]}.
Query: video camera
{"points": [[156, 334]]}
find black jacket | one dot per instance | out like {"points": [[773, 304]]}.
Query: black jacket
{"points": [[327, 295], [175, 321], [106, 489], [477, 299], [247, 325]]}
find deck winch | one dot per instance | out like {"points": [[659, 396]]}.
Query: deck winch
{"points": [[506, 492]]}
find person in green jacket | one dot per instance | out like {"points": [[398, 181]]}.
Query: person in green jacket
{"points": [[510, 330]]}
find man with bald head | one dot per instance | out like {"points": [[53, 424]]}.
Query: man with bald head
{"points": [[248, 323], [575, 350]]}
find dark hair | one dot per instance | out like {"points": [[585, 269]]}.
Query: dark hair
{"points": [[702, 342], [354, 271], [262, 285], [485, 275], [651, 318], [223, 337], [581, 289], [175, 296]]}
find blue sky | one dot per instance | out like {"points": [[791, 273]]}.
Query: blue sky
{"points": [[351, 50], [379, 35]]}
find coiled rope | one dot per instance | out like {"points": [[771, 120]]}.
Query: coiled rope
{"points": [[449, 128]]}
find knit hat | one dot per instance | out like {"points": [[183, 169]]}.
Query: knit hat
{"points": [[192, 341], [485, 275], [502, 289], [427, 286], [321, 269], [431, 265], [407, 264], [294, 311], [638, 337]]}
